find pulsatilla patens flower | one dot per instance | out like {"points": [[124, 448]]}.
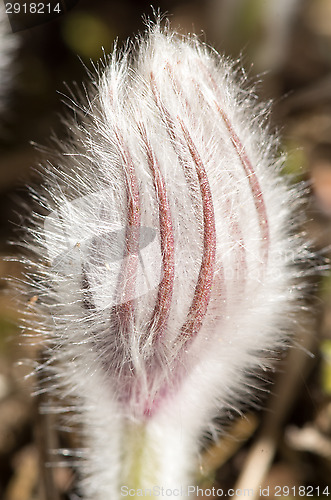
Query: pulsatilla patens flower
{"points": [[162, 264]]}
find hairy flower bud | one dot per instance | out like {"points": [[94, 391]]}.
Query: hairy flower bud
{"points": [[163, 264]]}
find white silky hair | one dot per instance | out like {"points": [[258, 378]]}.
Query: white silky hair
{"points": [[169, 140]]}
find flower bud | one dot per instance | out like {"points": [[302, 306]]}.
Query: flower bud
{"points": [[164, 261]]}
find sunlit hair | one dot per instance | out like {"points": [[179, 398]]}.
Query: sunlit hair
{"points": [[163, 259]]}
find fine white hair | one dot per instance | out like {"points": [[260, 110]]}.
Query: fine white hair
{"points": [[164, 268]]}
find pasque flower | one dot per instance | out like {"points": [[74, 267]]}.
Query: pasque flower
{"points": [[163, 260]]}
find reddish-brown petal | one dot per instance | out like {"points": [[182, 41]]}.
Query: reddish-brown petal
{"points": [[247, 166], [203, 287], [163, 304]]}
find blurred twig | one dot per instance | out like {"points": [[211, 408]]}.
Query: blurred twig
{"points": [[263, 450], [317, 94], [227, 446]]}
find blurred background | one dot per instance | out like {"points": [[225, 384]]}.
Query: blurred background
{"points": [[284, 46]]}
